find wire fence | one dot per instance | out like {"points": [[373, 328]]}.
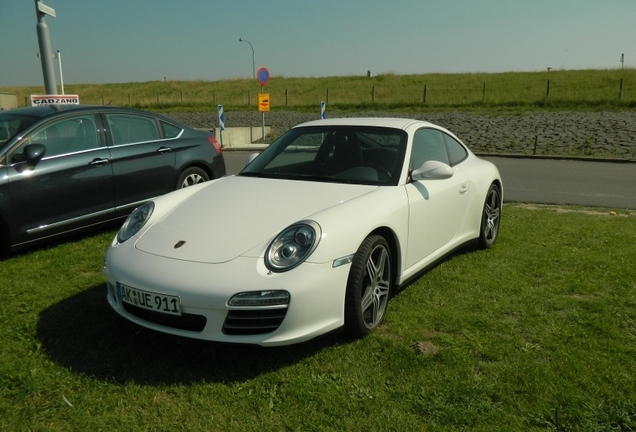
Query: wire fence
{"points": [[359, 93]]}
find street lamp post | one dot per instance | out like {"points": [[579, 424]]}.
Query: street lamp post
{"points": [[253, 64]]}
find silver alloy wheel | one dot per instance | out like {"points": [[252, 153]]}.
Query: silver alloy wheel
{"points": [[368, 286], [491, 217], [192, 179], [376, 286], [191, 176]]}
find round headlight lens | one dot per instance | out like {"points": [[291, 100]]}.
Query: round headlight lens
{"points": [[292, 246], [135, 221]]}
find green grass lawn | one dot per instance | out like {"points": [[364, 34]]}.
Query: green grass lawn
{"points": [[537, 333], [509, 92]]}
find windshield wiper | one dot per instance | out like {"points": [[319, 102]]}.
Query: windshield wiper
{"points": [[257, 174], [284, 176], [308, 177]]}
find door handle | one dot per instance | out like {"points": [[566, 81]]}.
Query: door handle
{"points": [[164, 150], [98, 162]]}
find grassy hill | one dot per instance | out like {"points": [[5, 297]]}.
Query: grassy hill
{"points": [[611, 90]]}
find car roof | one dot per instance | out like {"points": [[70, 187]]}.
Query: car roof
{"points": [[43, 111], [46, 110], [396, 123]]}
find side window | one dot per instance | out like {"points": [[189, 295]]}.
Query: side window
{"points": [[456, 151], [128, 129], [69, 135], [170, 131], [428, 144]]}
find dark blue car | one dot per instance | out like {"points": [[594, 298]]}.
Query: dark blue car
{"points": [[65, 168]]}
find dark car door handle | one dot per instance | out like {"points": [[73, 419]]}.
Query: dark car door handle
{"points": [[164, 149], [98, 162]]}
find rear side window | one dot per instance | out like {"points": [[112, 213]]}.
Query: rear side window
{"points": [[129, 129], [456, 151], [170, 131]]}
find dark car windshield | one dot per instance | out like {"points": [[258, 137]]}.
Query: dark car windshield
{"points": [[11, 125], [343, 154]]}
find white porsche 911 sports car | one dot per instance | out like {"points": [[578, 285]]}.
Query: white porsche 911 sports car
{"points": [[314, 235]]}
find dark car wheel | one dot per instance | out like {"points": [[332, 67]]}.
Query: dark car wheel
{"points": [[368, 287], [490, 218], [192, 176], [5, 241]]}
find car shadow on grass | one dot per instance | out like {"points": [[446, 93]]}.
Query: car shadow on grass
{"points": [[83, 334]]}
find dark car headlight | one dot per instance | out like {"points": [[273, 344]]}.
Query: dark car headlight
{"points": [[135, 221], [292, 246]]}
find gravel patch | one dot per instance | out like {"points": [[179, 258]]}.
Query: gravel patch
{"points": [[591, 134]]}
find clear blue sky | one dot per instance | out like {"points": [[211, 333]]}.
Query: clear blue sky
{"points": [[111, 41]]}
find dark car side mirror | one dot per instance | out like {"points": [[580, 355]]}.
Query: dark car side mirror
{"points": [[33, 153]]}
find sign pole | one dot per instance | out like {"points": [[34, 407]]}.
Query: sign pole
{"points": [[59, 60], [263, 99], [263, 124], [221, 123]]}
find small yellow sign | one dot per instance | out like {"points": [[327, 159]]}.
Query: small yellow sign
{"points": [[263, 102]]}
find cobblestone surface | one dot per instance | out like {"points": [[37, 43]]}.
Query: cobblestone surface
{"points": [[591, 134]]}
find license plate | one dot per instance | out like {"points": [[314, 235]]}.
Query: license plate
{"points": [[149, 300]]}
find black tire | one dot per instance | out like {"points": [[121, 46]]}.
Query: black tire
{"points": [[368, 287], [192, 176], [490, 218], [5, 240], [4, 247]]}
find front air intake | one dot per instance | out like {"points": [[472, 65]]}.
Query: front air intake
{"points": [[253, 322]]}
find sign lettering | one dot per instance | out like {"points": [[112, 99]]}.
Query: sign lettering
{"points": [[37, 100]]}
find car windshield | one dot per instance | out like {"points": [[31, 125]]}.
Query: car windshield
{"points": [[11, 125], [342, 154]]}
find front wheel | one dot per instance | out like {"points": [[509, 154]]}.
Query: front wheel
{"points": [[192, 176], [490, 218], [5, 241], [368, 287]]}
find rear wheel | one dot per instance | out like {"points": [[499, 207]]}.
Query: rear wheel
{"points": [[192, 176], [368, 287], [490, 218], [5, 240]]}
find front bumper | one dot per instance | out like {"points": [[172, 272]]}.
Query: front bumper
{"points": [[316, 305]]}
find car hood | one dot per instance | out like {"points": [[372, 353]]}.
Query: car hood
{"points": [[231, 216]]}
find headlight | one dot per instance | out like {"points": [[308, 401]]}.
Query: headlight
{"points": [[135, 221], [292, 246]]}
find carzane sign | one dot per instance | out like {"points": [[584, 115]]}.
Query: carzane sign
{"points": [[37, 100]]}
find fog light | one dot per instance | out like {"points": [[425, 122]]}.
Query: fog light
{"points": [[260, 298]]}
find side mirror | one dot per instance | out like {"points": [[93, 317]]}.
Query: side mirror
{"points": [[432, 170], [250, 158], [33, 153]]}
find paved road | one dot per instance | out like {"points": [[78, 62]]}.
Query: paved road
{"points": [[547, 181]]}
